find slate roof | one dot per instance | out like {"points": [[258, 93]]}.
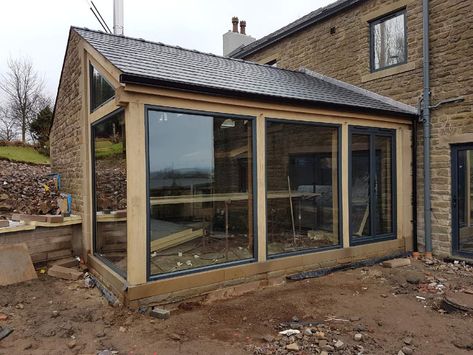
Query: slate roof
{"points": [[301, 23], [156, 64]]}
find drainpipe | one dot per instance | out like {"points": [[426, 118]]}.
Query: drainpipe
{"points": [[426, 122]]}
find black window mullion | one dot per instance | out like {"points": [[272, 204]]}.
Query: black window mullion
{"points": [[372, 197]]}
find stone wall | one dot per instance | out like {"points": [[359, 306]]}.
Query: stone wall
{"points": [[345, 55], [66, 132]]}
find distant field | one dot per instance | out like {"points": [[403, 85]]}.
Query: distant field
{"points": [[105, 148], [23, 154]]}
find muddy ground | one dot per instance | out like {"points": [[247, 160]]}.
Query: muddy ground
{"points": [[379, 305]]}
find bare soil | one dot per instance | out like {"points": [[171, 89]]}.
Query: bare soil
{"points": [[51, 316]]}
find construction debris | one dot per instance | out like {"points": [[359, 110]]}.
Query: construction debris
{"points": [[28, 189], [397, 262], [64, 273], [15, 264], [160, 313], [4, 332]]}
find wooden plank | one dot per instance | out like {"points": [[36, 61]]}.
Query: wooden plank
{"points": [[175, 239], [239, 196], [15, 264]]}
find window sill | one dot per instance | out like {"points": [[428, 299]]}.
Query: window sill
{"points": [[388, 72]]}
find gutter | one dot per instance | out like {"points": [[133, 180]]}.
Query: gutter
{"points": [[426, 125]]}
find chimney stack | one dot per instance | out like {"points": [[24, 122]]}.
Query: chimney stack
{"points": [[243, 27], [235, 24], [118, 17]]}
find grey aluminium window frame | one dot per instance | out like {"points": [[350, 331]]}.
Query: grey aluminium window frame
{"points": [[149, 276], [339, 186], [373, 132], [371, 29]]}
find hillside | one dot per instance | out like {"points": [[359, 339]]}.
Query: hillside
{"points": [[22, 154]]}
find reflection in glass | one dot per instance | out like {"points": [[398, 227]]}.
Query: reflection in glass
{"points": [[302, 187], [465, 200], [389, 42], [110, 190], [100, 90], [383, 184], [201, 190], [360, 217]]}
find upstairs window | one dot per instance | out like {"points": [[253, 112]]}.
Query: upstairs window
{"points": [[388, 41], [101, 90]]}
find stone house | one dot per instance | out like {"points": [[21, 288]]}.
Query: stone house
{"points": [[378, 45], [193, 172]]}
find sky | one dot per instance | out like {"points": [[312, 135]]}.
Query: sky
{"points": [[38, 29]]}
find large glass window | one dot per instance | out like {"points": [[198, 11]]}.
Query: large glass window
{"points": [[388, 41], [302, 187], [200, 191], [100, 89], [372, 184], [110, 199]]}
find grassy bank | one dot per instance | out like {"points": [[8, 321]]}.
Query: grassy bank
{"points": [[23, 154]]}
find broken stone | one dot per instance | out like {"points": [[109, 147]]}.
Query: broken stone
{"points": [[407, 340], [358, 337], [3, 317], [268, 338], [72, 344], [308, 332], [394, 263], [407, 350], [174, 336], [160, 313], [55, 314], [122, 329], [414, 278], [339, 345], [292, 347]]}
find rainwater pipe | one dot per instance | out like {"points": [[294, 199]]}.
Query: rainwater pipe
{"points": [[426, 126]]}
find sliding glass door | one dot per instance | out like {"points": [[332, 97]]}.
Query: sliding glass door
{"points": [[372, 185], [462, 198]]}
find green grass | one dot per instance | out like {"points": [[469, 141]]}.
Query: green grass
{"points": [[23, 154], [106, 148]]}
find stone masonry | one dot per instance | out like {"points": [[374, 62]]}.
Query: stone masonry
{"points": [[344, 55], [66, 132]]}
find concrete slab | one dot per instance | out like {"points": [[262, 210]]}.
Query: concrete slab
{"points": [[15, 264]]}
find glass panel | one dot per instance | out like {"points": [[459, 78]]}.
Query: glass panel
{"points": [[465, 203], [360, 217], [389, 47], [201, 191], [302, 187], [100, 90], [383, 185], [110, 190]]}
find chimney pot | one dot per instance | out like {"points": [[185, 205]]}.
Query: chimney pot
{"points": [[243, 27], [235, 24]]}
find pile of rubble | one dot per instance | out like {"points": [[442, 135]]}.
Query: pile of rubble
{"points": [[28, 189], [110, 177], [315, 338]]}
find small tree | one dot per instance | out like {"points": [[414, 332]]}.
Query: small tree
{"points": [[41, 125], [8, 126], [23, 89]]}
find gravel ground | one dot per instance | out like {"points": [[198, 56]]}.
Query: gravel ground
{"points": [[362, 311]]}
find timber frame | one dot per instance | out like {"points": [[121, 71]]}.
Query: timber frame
{"points": [[137, 288]]}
